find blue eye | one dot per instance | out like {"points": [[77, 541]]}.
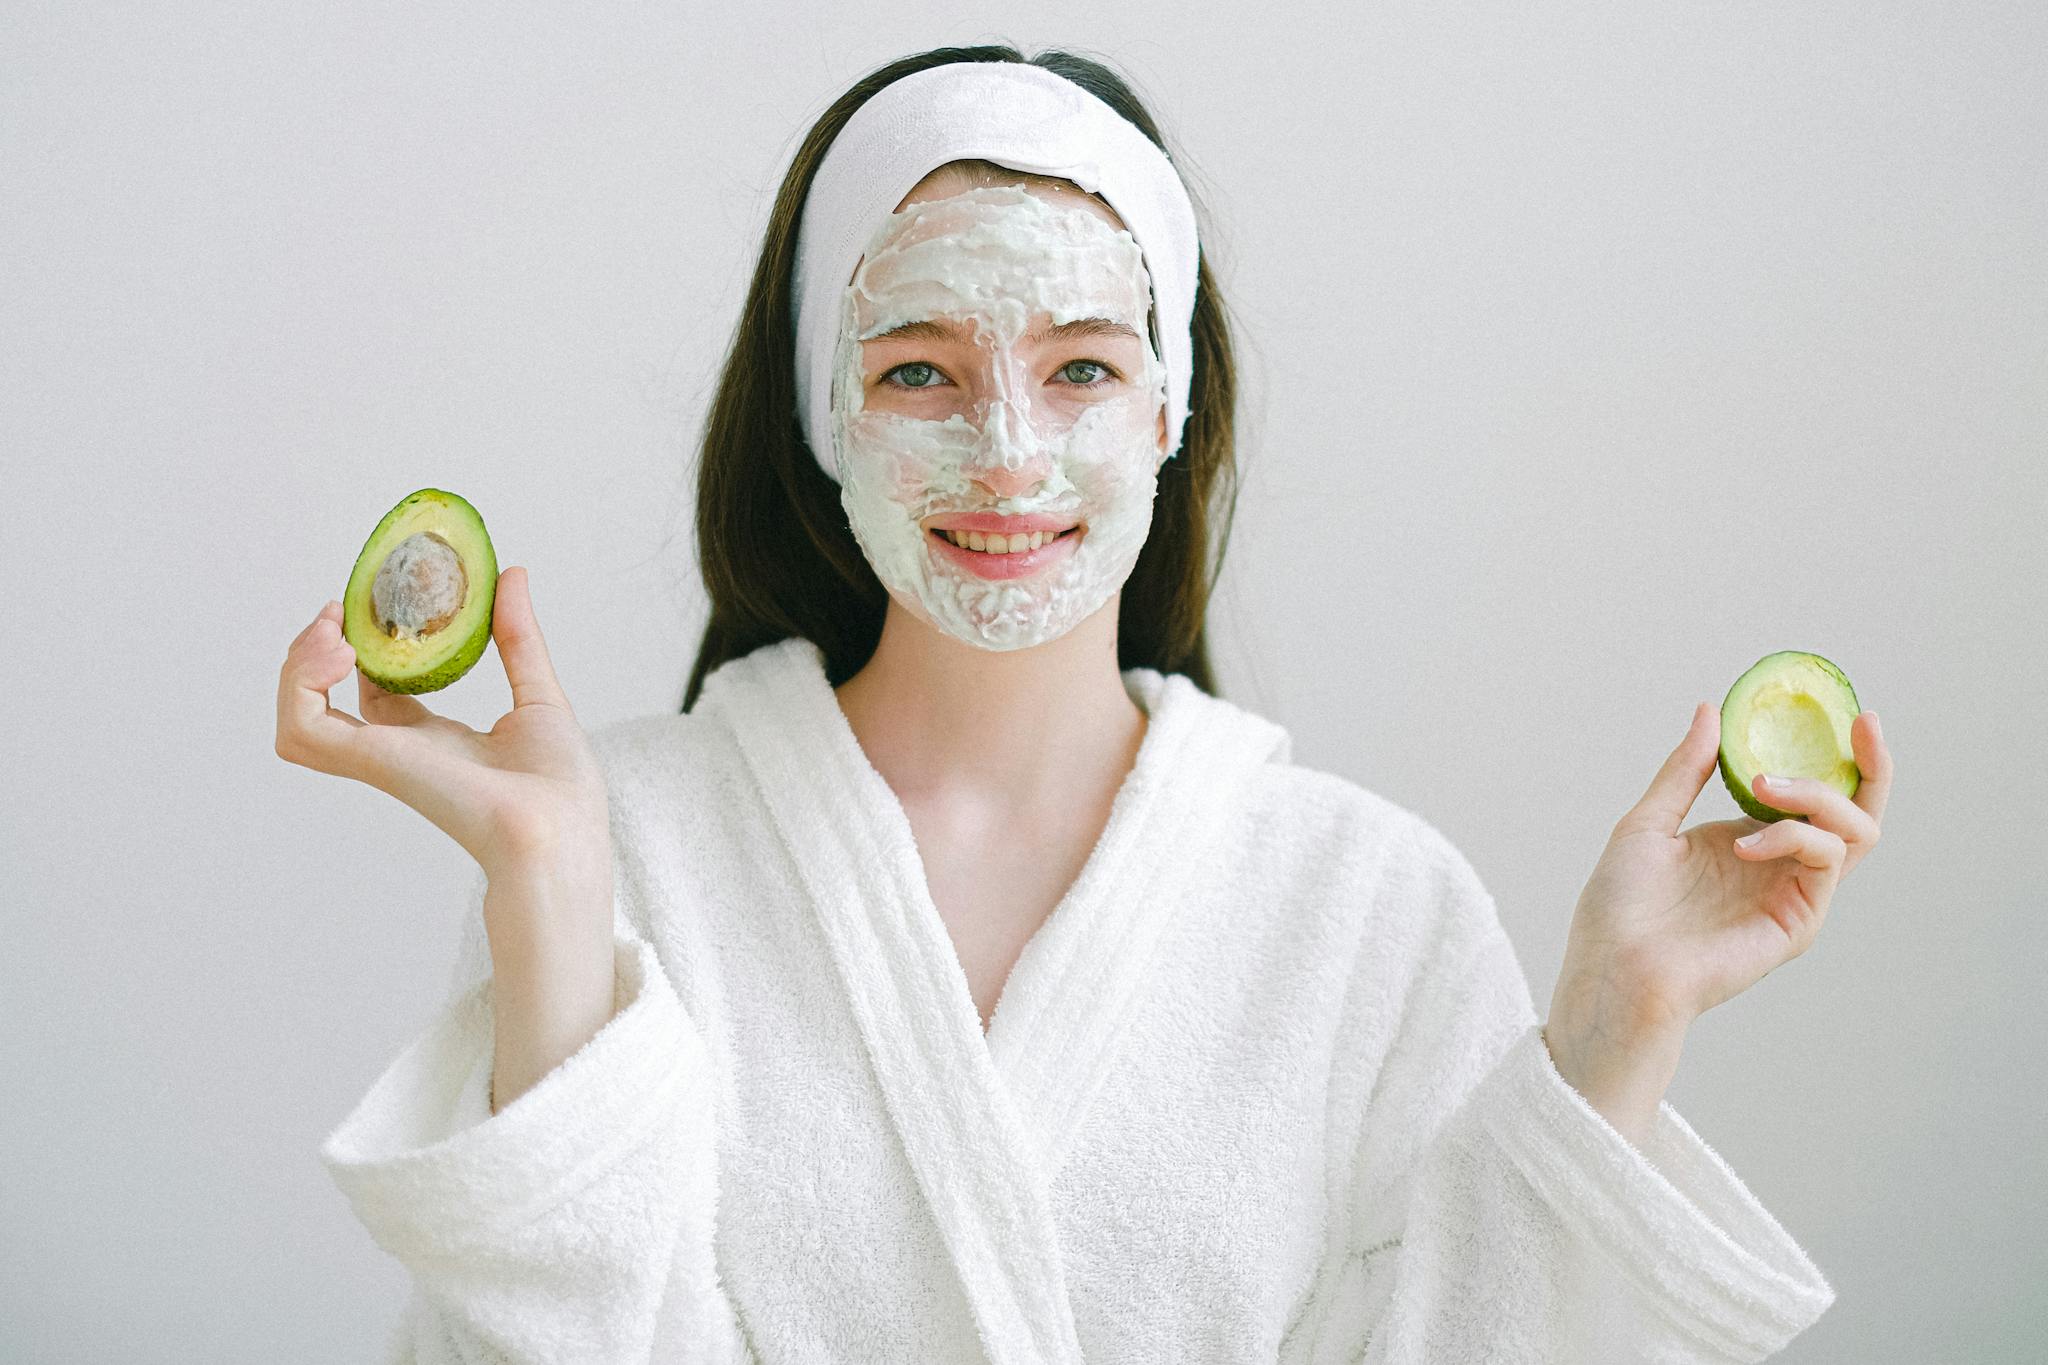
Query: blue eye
{"points": [[920, 367], [922, 374]]}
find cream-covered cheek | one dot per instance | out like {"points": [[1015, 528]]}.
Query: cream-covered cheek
{"points": [[995, 261]]}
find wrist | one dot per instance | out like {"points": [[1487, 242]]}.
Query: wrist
{"points": [[546, 901], [561, 862], [1623, 1079]]}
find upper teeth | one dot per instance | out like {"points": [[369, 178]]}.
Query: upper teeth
{"points": [[997, 544]]}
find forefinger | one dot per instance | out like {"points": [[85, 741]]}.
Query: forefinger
{"points": [[330, 612], [309, 730]]}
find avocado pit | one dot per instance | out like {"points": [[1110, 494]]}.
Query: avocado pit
{"points": [[419, 588]]}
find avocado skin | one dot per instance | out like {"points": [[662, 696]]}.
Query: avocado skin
{"points": [[480, 562], [1752, 807]]}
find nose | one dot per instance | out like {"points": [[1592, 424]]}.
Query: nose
{"points": [[1004, 482], [1009, 462]]}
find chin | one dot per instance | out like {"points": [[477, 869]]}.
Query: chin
{"points": [[1022, 626]]}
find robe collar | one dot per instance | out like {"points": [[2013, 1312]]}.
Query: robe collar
{"points": [[987, 1120]]}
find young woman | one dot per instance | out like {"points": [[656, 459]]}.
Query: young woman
{"points": [[958, 977]]}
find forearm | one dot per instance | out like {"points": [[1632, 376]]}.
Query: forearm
{"points": [[1577, 1242], [578, 1224], [550, 929]]}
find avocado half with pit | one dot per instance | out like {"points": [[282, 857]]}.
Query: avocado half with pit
{"points": [[1789, 714], [417, 610]]}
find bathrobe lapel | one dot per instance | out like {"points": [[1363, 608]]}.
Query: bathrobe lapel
{"points": [[986, 1122], [1054, 1034]]}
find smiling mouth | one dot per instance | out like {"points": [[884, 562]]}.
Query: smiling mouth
{"points": [[976, 542]]}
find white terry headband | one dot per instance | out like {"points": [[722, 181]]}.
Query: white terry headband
{"points": [[1016, 115]]}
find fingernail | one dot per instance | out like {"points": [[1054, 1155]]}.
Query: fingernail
{"points": [[1750, 842], [1876, 726], [1777, 781]]}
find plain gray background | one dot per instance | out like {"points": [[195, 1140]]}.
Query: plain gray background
{"points": [[1594, 352]]}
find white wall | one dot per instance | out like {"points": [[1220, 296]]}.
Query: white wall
{"points": [[1597, 349]]}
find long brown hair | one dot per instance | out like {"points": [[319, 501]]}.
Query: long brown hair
{"points": [[778, 557]]}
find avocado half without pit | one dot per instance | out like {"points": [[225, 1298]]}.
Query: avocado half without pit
{"points": [[1789, 714], [417, 610]]}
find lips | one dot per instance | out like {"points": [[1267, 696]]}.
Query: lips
{"points": [[1002, 566]]}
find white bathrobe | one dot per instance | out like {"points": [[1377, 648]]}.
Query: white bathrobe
{"points": [[1267, 1086]]}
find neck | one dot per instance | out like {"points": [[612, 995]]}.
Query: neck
{"points": [[935, 714]]}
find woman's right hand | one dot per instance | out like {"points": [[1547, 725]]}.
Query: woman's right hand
{"points": [[526, 796]]}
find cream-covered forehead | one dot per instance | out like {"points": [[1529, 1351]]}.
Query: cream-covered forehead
{"points": [[1001, 253]]}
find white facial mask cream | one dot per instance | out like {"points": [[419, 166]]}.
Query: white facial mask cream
{"points": [[998, 262]]}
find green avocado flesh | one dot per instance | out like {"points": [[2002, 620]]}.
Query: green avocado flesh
{"points": [[1789, 714], [417, 610]]}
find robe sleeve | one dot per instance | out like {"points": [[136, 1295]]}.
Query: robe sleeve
{"points": [[575, 1223], [1496, 1215]]}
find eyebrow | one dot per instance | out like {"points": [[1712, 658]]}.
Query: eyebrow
{"points": [[944, 329]]}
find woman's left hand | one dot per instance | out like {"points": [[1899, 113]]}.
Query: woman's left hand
{"points": [[1671, 923]]}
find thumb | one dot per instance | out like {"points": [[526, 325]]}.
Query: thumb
{"points": [[1677, 784], [525, 654]]}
